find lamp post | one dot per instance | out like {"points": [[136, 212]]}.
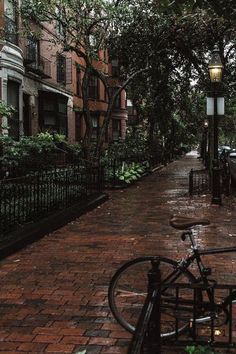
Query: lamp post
{"points": [[205, 139], [215, 68]]}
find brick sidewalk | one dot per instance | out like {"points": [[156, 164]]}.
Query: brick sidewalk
{"points": [[54, 292]]}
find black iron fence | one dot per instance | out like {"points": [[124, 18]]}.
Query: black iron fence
{"points": [[37, 161], [225, 176], [115, 167], [199, 181], [28, 198]]}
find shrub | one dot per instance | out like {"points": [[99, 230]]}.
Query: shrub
{"points": [[33, 151], [199, 350], [131, 173], [6, 110]]}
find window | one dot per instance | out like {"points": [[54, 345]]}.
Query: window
{"points": [[117, 103], [10, 22], [78, 82], [26, 114], [53, 112], [60, 29], [32, 51], [13, 100], [95, 125], [115, 68], [61, 69], [93, 87], [116, 129]]}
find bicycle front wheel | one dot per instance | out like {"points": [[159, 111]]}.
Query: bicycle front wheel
{"points": [[128, 290]]}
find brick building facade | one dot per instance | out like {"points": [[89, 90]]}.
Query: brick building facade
{"points": [[43, 83]]}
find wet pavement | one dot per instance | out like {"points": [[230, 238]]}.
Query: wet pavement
{"points": [[54, 292]]}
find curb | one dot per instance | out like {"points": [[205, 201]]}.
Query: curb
{"points": [[32, 232], [157, 168]]}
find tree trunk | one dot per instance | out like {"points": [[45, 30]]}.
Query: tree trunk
{"points": [[86, 143]]}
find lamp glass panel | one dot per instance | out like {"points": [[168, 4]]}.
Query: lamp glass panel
{"points": [[215, 74]]}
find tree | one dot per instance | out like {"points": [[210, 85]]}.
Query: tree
{"points": [[176, 38], [86, 27], [162, 46]]}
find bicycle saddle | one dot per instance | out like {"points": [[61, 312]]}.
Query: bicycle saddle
{"points": [[184, 222]]}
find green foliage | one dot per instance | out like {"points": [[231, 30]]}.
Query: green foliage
{"points": [[133, 148], [171, 95], [130, 173], [199, 350], [36, 150], [134, 144], [6, 110]]}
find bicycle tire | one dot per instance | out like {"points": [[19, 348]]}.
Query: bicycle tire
{"points": [[126, 299]]}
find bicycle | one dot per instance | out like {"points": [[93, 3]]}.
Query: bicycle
{"points": [[180, 308]]}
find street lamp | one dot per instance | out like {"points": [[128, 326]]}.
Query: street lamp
{"points": [[215, 68], [205, 142]]}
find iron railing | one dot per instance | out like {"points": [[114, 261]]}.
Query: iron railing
{"points": [[33, 163], [41, 66], [31, 197], [199, 181], [60, 156], [225, 176], [114, 166]]}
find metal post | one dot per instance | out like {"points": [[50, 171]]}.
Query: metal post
{"points": [[216, 172], [152, 341], [205, 148]]}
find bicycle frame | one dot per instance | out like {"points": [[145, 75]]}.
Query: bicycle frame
{"points": [[204, 272], [197, 253]]}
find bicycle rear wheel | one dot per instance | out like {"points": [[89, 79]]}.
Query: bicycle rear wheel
{"points": [[128, 290]]}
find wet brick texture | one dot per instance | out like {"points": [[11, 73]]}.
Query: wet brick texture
{"points": [[54, 292]]}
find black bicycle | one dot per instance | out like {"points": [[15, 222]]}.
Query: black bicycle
{"points": [[180, 308]]}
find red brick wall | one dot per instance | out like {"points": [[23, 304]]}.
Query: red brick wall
{"points": [[49, 52]]}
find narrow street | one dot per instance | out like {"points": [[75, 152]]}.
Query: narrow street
{"points": [[54, 292]]}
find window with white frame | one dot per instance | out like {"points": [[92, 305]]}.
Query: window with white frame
{"points": [[10, 27]]}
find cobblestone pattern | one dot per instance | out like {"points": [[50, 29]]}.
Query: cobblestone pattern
{"points": [[54, 292]]}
